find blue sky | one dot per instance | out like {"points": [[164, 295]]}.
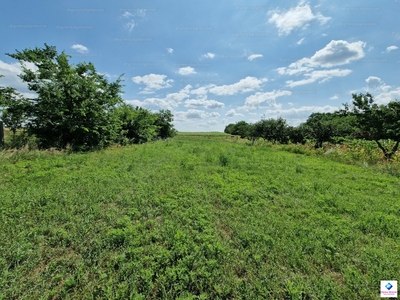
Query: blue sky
{"points": [[218, 62]]}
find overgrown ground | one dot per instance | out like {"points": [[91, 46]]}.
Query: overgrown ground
{"points": [[195, 218]]}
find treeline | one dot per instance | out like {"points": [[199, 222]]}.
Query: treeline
{"points": [[363, 119], [75, 106]]}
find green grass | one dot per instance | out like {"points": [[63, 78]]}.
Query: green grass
{"points": [[194, 218]]}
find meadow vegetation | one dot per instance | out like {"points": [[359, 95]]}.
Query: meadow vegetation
{"points": [[195, 217]]}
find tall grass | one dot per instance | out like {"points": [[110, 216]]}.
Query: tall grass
{"points": [[194, 218]]}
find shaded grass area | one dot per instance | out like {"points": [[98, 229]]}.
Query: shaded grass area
{"points": [[194, 218]]}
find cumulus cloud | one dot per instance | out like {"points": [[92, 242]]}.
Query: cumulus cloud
{"points": [[320, 76], [247, 84], [373, 82], [333, 54], [255, 101], [214, 114], [204, 102], [388, 95], [186, 71], [208, 55], [80, 48], [153, 82], [297, 17], [201, 91], [254, 56], [170, 50], [338, 53], [168, 102], [232, 113]]}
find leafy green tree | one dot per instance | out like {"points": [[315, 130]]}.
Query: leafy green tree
{"points": [[296, 135], [325, 127], [273, 130], [164, 124], [137, 124], [74, 104], [376, 122], [229, 128], [242, 129]]}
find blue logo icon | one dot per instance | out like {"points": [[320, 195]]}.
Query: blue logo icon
{"points": [[388, 286]]}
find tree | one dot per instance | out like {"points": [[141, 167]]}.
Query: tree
{"points": [[325, 127], [242, 129], [229, 128], [137, 124], [272, 130], [73, 107], [296, 134], [164, 123], [376, 122]]}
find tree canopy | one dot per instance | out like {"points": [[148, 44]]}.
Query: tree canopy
{"points": [[75, 105]]}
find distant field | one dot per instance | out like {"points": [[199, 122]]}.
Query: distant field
{"points": [[213, 133], [194, 218]]}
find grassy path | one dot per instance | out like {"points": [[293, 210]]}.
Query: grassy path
{"points": [[200, 218]]}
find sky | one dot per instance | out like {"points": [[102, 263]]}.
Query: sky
{"points": [[213, 63]]}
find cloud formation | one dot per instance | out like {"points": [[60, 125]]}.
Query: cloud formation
{"points": [[247, 84], [255, 101], [186, 71], [153, 82], [80, 48], [297, 17], [335, 53], [208, 55], [210, 104], [254, 56]]}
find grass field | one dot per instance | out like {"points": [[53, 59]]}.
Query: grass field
{"points": [[195, 217]]}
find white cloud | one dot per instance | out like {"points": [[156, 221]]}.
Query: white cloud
{"points": [[386, 96], [333, 54], [11, 78], [80, 48], [338, 53], [186, 71], [153, 82], [334, 97], [247, 84], [297, 17], [322, 76], [203, 102], [201, 90], [208, 55], [232, 113], [373, 82], [170, 50], [168, 102], [212, 122], [254, 56], [301, 41], [255, 101], [214, 114], [391, 48]]}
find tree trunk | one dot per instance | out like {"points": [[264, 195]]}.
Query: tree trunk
{"points": [[388, 155]]}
